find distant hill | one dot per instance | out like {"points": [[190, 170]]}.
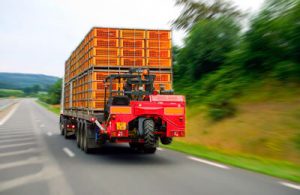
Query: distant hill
{"points": [[22, 80]]}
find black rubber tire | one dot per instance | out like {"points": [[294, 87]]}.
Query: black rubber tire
{"points": [[81, 135], [166, 140], [65, 130], [149, 150], [86, 147], [149, 137], [78, 133], [62, 126]]}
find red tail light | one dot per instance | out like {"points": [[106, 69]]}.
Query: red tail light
{"points": [[73, 126], [93, 119]]}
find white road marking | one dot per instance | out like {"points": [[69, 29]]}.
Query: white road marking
{"points": [[30, 150], [42, 125], [13, 136], [160, 149], [17, 145], [16, 139], [9, 114], [49, 133], [208, 162], [15, 133], [28, 161], [68, 152], [290, 185]]}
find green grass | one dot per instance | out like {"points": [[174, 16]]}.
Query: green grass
{"points": [[11, 93], [281, 169], [52, 108]]}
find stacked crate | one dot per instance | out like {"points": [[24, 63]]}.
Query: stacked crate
{"points": [[106, 51]]}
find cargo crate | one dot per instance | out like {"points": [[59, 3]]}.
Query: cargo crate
{"points": [[104, 52], [97, 95], [104, 61], [132, 34], [96, 42], [132, 61], [132, 43], [129, 52], [159, 34], [100, 76], [96, 104], [157, 53], [105, 33], [158, 44], [159, 62], [167, 86], [163, 77]]}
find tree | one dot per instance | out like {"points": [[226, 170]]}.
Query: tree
{"points": [[206, 47], [54, 92], [194, 11], [272, 43]]}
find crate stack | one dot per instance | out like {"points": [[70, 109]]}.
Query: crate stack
{"points": [[106, 51]]}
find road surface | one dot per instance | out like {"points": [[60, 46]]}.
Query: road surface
{"points": [[35, 160]]}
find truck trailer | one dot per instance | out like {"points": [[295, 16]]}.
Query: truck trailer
{"points": [[117, 88]]}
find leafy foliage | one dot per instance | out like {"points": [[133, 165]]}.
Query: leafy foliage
{"points": [[195, 11], [54, 93], [217, 62]]}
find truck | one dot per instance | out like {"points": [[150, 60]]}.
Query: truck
{"points": [[117, 88]]}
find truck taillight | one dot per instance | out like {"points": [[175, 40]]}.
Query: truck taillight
{"points": [[93, 119], [73, 127]]}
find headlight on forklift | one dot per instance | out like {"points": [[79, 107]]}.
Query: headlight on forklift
{"points": [[121, 126]]}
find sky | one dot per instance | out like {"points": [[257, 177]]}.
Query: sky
{"points": [[37, 36]]}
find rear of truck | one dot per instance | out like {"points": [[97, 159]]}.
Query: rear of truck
{"points": [[156, 116]]}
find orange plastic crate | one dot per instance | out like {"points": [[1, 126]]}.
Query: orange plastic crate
{"points": [[96, 42], [158, 44], [99, 95], [132, 43], [100, 76], [157, 53], [158, 34], [164, 77], [105, 33], [128, 52], [167, 86], [104, 61], [99, 104], [132, 61], [132, 34], [104, 52], [159, 62]]}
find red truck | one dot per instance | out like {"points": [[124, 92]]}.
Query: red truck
{"points": [[132, 108]]}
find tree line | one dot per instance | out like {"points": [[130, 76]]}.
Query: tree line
{"points": [[220, 56]]}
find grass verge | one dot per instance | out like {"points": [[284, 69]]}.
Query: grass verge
{"points": [[52, 108], [281, 169]]}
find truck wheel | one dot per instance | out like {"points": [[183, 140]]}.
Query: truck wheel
{"points": [[65, 130], [149, 150], [166, 140], [61, 125], [86, 147], [78, 134], [149, 137]]}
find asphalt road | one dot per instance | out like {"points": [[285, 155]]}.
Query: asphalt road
{"points": [[35, 160]]}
